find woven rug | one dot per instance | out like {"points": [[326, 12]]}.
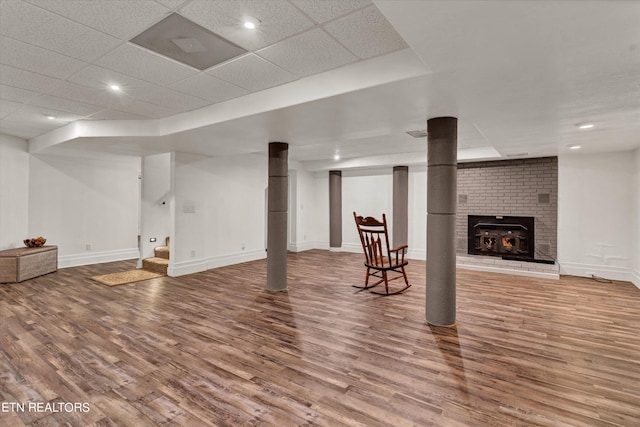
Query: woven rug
{"points": [[124, 277]]}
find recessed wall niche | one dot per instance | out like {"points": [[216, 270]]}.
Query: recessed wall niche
{"points": [[523, 187]]}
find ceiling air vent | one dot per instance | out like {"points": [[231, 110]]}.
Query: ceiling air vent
{"points": [[187, 42], [417, 133]]}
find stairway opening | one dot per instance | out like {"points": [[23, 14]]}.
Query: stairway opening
{"points": [[160, 260]]}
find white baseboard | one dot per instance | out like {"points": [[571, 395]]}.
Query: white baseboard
{"points": [[635, 278], [237, 258], [419, 254], [604, 271], [307, 246], [186, 267], [75, 260], [304, 246], [351, 247], [195, 266]]}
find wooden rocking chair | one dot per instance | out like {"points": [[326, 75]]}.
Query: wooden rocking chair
{"points": [[380, 259]]}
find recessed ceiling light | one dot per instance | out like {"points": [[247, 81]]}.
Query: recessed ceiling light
{"points": [[250, 22], [575, 147], [585, 125], [114, 88], [336, 157], [51, 117]]}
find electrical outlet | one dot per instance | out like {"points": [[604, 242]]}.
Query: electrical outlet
{"points": [[193, 253], [242, 246], [88, 246]]}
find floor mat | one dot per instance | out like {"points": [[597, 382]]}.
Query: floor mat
{"points": [[124, 277]]}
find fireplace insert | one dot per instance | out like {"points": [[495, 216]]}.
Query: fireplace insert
{"points": [[503, 236]]}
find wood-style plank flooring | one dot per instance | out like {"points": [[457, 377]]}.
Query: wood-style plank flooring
{"points": [[217, 349]]}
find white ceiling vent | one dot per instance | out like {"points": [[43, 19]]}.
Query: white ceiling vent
{"points": [[418, 133], [178, 38], [189, 45]]}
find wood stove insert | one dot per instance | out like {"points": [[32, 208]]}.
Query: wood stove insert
{"points": [[503, 236]]}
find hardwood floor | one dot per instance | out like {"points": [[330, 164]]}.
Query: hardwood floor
{"points": [[217, 349]]}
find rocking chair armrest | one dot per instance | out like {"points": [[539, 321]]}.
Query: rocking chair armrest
{"points": [[400, 255], [398, 248]]}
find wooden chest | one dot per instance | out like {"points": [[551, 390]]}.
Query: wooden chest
{"points": [[21, 264]]}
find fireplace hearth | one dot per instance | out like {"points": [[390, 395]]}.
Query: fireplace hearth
{"points": [[503, 236]]}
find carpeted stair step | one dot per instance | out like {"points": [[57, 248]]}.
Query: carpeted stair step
{"points": [[155, 264], [161, 252]]}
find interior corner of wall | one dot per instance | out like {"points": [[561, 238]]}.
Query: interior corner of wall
{"points": [[635, 278]]}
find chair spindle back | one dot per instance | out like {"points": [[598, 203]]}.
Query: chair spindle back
{"points": [[374, 239]]}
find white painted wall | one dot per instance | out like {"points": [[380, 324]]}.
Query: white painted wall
{"points": [[292, 210], [14, 192], [305, 203], [369, 193], [219, 211], [595, 214], [417, 212], [636, 220], [156, 198], [316, 224], [85, 199]]}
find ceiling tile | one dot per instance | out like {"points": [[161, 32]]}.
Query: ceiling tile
{"points": [[23, 128], [142, 108], [145, 65], [39, 27], [209, 87], [119, 18], [366, 33], [170, 98], [252, 72], [36, 59], [172, 4], [65, 105], [16, 77], [100, 78], [38, 115], [76, 92], [324, 10], [8, 107], [278, 20], [15, 94], [308, 53], [108, 114]]}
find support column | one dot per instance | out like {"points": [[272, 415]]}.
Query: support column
{"points": [[400, 205], [277, 216], [441, 220], [335, 210]]}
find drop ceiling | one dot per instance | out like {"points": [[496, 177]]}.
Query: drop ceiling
{"points": [[333, 76]]}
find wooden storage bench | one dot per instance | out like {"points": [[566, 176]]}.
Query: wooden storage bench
{"points": [[21, 264]]}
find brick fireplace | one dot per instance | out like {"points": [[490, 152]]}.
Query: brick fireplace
{"points": [[501, 194]]}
